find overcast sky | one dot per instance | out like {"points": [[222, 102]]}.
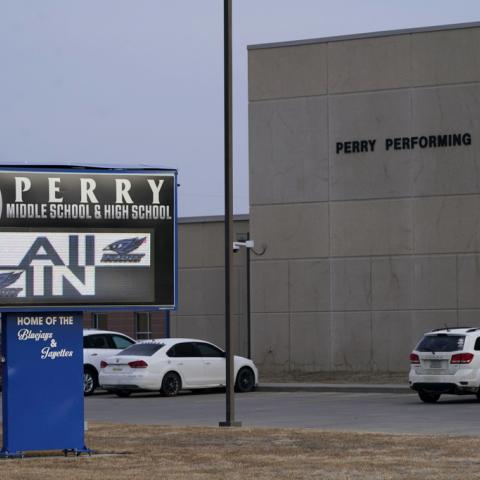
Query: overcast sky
{"points": [[140, 82]]}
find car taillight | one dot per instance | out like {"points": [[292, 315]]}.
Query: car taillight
{"points": [[461, 358], [103, 364], [138, 364], [414, 358]]}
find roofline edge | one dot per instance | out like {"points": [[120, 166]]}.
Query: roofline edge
{"points": [[359, 36]]}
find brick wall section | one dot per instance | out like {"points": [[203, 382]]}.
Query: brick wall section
{"points": [[125, 322]]}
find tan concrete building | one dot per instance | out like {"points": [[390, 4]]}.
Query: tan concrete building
{"points": [[365, 188], [365, 191], [201, 310]]}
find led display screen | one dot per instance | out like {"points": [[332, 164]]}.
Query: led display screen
{"points": [[89, 239]]}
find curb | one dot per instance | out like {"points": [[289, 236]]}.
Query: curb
{"points": [[346, 388]]}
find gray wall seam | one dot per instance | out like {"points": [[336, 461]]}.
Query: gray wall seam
{"points": [[369, 92], [353, 310], [331, 283], [238, 218], [214, 267], [370, 199], [413, 204], [375, 257], [457, 288], [290, 326], [371, 361]]}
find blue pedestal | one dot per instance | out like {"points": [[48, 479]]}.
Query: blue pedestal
{"points": [[42, 382]]}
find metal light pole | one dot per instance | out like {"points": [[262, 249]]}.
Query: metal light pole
{"points": [[249, 313], [243, 241], [230, 396]]}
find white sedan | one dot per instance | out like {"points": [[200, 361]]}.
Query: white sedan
{"points": [[169, 365]]}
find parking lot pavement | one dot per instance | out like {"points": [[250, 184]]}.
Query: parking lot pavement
{"points": [[334, 387], [374, 412]]}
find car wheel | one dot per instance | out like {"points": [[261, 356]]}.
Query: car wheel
{"points": [[123, 393], [171, 384], [245, 380], [428, 397], [90, 381]]}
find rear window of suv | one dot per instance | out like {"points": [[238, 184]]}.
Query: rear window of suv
{"points": [[441, 342]]}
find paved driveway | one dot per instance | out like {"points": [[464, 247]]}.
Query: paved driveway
{"points": [[376, 412]]}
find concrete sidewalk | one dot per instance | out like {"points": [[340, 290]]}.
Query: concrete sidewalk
{"points": [[334, 387]]}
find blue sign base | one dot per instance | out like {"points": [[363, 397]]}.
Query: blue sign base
{"points": [[42, 383]]}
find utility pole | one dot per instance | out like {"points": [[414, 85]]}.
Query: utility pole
{"points": [[230, 394]]}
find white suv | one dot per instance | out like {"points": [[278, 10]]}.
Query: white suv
{"points": [[97, 346], [446, 360]]}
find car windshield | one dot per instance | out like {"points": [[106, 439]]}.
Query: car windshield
{"points": [[441, 342], [143, 349]]}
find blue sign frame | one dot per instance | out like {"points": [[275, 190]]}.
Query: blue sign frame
{"points": [[42, 340], [34, 192], [42, 391]]}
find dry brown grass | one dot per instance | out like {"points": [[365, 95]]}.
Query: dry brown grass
{"points": [[153, 452]]}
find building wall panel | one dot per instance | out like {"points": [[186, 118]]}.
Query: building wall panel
{"points": [[377, 227], [370, 118], [445, 57], [291, 231], [289, 151], [365, 250], [369, 64], [287, 72]]}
